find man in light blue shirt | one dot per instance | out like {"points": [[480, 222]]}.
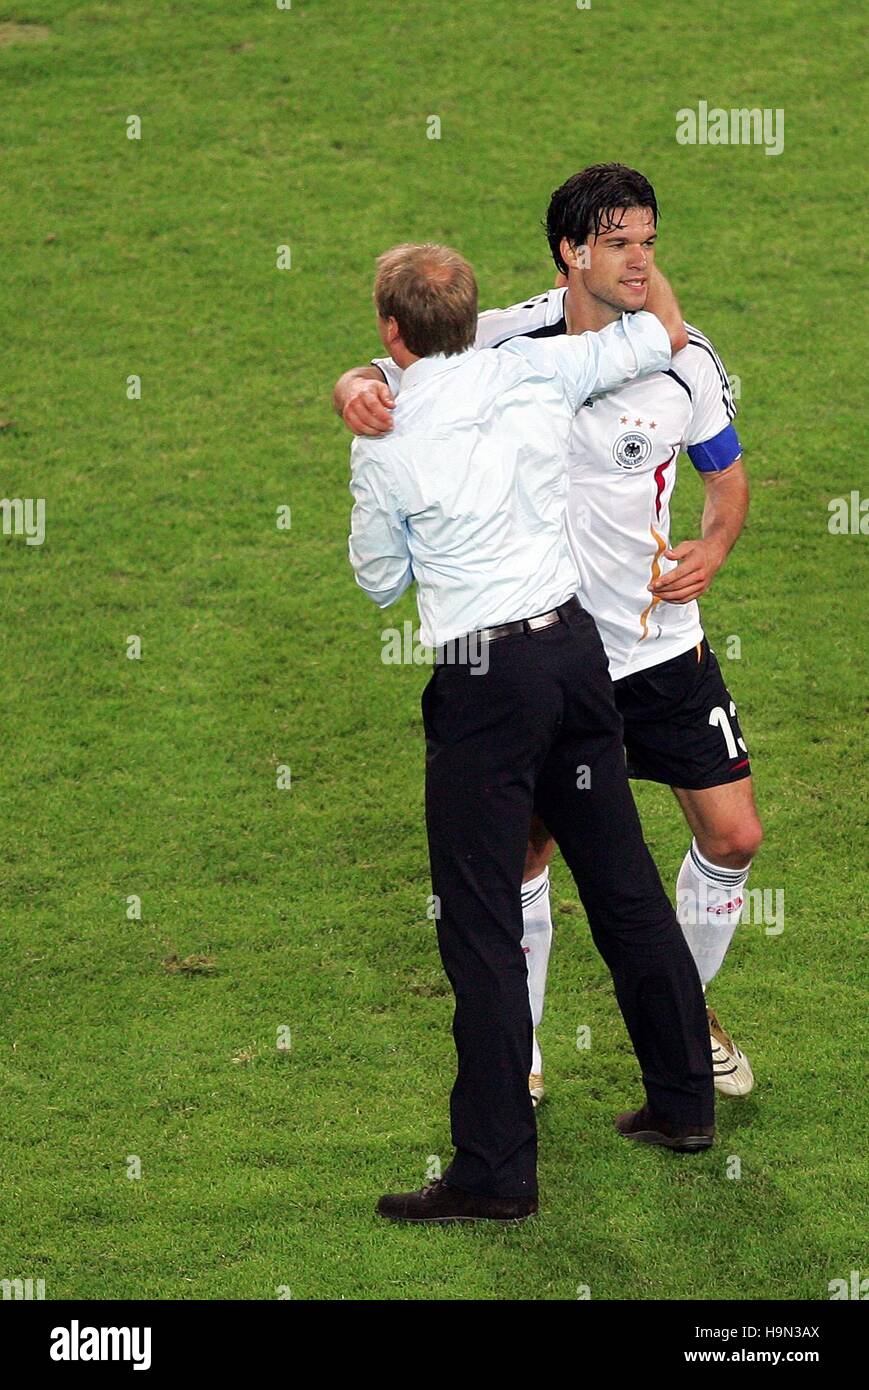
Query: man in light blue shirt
{"points": [[466, 495]]}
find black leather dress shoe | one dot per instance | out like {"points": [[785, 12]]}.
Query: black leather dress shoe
{"points": [[438, 1202], [647, 1128]]}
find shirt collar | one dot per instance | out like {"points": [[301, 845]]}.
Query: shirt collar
{"points": [[425, 367]]}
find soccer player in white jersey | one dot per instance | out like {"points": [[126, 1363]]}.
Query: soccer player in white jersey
{"points": [[681, 726]]}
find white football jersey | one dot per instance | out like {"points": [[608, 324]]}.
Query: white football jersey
{"points": [[622, 457]]}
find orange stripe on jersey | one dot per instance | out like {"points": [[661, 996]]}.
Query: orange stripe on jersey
{"points": [[659, 540], [656, 574]]}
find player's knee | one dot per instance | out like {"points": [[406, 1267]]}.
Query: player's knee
{"points": [[737, 845], [749, 838]]}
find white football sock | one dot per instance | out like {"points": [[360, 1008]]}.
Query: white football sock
{"points": [[536, 943], [709, 902]]}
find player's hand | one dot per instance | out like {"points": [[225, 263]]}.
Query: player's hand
{"points": [[697, 565], [368, 408]]}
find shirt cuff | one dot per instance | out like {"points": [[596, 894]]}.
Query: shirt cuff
{"points": [[384, 597]]}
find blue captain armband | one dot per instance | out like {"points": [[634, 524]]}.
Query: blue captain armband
{"points": [[717, 453]]}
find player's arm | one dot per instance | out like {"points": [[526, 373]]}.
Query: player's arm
{"points": [[364, 401], [714, 449], [724, 513], [662, 302], [378, 549]]}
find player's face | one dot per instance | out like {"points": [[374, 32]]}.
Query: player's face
{"points": [[620, 260]]}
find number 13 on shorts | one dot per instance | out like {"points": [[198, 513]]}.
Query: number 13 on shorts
{"points": [[719, 719]]}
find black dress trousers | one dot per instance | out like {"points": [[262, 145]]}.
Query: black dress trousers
{"points": [[540, 730]]}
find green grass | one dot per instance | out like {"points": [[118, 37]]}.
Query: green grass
{"points": [[157, 777]]}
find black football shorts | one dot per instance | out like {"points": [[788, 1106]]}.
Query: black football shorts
{"points": [[681, 725]]}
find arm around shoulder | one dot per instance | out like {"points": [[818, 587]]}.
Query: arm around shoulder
{"points": [[364, 401], [662, 302]]}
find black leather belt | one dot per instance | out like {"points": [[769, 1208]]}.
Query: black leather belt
{"points": [[532, 624]]}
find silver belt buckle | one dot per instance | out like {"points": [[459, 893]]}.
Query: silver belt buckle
{"points": [[543, 620]]}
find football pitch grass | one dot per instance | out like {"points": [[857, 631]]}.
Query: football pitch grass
{"points": [[206, 1101]]}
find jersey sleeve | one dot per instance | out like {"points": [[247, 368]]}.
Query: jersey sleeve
{"points": [[711, 441], [389, 370]]}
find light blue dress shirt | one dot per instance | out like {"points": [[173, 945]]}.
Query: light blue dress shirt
{"points": [[467, 494]]}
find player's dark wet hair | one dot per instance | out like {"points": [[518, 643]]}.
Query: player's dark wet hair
{"points": [[586, 204]]}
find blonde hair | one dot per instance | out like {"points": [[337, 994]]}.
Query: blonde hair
{"points": [[431, 293]]}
